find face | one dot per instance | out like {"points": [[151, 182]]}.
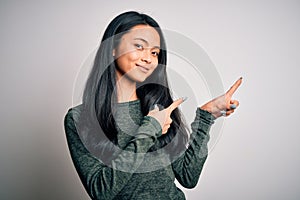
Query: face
{"points": [[137, 53]]}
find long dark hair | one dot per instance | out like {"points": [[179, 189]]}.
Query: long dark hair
{"points": [[99, 132]]}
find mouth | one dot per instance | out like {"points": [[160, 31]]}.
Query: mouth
{"points": [[143, 68]]}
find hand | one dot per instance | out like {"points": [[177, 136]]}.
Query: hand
{"points": [[224, 102], [164, 116]]}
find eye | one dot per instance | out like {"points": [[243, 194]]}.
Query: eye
{"points": [[155, 53], [139, 46]]}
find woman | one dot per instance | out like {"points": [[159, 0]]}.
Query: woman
{"points": [[127, 139]]}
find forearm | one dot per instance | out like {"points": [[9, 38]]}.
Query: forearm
{"points": [[187, 168]]}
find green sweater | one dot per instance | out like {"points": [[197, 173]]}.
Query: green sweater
{"points": [[135, 174]]}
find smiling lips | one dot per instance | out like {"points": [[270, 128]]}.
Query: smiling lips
{"points": [[142, 68]]}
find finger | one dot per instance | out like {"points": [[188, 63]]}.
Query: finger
{"points": [[234, 87], [165, 129], [175, 104], [237, 103], [233, 104], [226, 113], [169, 121], [229, 112]]}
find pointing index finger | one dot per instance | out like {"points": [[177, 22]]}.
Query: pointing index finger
{"points": [[235, 86], [175, 104]]}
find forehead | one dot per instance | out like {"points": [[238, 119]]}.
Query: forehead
{"points": [[144, 32]]}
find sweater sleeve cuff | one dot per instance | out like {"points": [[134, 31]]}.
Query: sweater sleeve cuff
{"points": [[205, 116], [202, 122]]}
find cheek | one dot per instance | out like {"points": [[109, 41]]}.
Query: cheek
{"points": [[133, 56], [127, 61], [128, 54], [155, 64], [130, 57]]}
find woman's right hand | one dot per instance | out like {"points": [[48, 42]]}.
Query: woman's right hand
{"points": [[164, 116]]}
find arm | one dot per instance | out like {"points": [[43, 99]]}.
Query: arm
{"points": [[100, 181], [187, 168]]}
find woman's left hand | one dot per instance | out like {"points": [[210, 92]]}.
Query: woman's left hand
{"points": [[223, 105]]}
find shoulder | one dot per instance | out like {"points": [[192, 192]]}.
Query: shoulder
{"points": [[72, 116], [74, 112]]}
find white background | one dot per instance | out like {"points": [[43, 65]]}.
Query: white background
{"points": [[44, 43]]}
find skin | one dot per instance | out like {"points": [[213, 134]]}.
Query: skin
{"points": [[223, 102], [137, 58]]}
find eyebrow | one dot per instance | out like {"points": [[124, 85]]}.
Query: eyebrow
{"points": [[158, 47]]}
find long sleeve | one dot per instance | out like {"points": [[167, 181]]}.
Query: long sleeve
{"points": [[101, 181], [187, 168]]}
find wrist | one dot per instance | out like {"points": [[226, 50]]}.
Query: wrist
{"points": [[209, 108], [206, 107]]}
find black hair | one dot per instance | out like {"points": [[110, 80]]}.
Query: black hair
{"points": [[99, 132]]}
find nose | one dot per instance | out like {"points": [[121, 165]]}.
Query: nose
{"points": [[146, 57]]}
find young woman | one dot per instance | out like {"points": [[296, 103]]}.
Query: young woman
{"points": [[127, 139]]}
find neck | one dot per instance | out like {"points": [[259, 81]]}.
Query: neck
{"points": [[126, 89]]}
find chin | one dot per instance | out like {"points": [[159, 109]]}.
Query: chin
{"points": [[140, 80]]}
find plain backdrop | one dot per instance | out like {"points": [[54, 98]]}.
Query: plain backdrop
{"points": [[44, 43]]}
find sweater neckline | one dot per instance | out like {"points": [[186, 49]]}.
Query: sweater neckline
{"points": [[130, 103]]}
